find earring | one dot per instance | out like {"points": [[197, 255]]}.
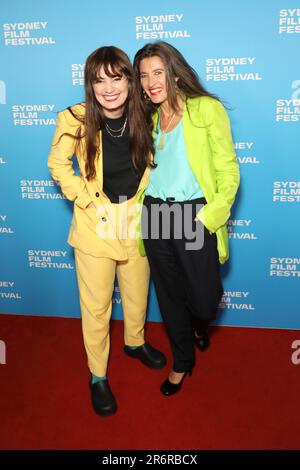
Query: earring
{"points": [[146, 97]]}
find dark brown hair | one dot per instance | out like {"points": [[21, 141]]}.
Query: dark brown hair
{"points": [[115, 63], [176, 66]]}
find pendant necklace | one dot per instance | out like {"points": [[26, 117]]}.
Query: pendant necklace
{"points": [[162, 140]]}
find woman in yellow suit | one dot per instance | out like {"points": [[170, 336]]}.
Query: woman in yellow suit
{"points": [[110, 138]]}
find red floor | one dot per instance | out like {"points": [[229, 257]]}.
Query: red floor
{"points": [[244, 392]]}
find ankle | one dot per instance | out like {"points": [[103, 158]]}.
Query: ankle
{"points": [[200, 333], [176, 377], [97, 378]]}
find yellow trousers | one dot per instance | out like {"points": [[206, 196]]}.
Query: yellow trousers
{"points": [[95, 276]]}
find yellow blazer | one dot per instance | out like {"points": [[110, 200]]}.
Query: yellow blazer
{"points": [[84, 230]]}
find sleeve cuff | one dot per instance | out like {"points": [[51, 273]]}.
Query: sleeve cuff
{"points": [[201, 216]]}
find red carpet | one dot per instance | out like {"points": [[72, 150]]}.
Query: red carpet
{"points": [[244, 392]]}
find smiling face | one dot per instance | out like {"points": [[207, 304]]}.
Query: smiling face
{"points": [[111, 92], [153, 79]]}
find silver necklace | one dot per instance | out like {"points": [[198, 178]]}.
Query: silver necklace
{"points": [[111, 131], [162, 140]]}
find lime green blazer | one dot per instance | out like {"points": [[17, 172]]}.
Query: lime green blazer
{"points": [[211, 154]]}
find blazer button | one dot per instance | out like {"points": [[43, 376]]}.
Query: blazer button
{"points": [[97, 194], [103, 219]]}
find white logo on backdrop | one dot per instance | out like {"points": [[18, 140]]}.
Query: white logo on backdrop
{"points": [[77, 74], [26, 34], [116, 297], [286, 191], [236, 300], [8, 291], [51, 259], [288, 110], [40, 189], [5, 228], [289, 21], [238, 229], [231, 68], [33, 115], [284, 267], [163, 27], [244, 158]]}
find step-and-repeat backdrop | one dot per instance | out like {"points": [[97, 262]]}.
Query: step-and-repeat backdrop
{"points": [[245, 52]]}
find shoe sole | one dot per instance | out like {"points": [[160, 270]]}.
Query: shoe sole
{"points": [[105, 413]]}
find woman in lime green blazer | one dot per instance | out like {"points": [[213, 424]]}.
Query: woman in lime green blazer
{"points": [[195, 172]]}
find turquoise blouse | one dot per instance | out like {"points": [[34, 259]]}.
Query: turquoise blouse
{"points": [[173, 176]]}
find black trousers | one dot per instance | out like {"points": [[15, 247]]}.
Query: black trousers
{"points": [[187, 281]]}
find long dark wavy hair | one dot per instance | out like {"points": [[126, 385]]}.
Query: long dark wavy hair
{"points": [[115, 62], [176, 67]]}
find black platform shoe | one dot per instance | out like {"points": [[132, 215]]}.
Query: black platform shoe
{"points": [[202, 340], [103, 400], [147, 355], [168, 388]]}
